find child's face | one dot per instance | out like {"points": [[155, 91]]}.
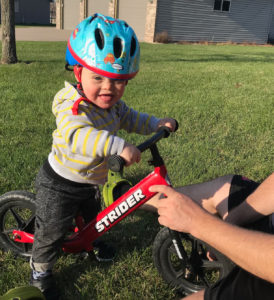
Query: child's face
{"points": [[100, 90]]}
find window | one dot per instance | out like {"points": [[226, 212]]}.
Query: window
{"points": [[222, 5]]}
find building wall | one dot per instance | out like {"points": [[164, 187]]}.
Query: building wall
{"points": [[151, 14], [187, 20], [134, 13], [32, 12], [99, 6], [71, 10]]}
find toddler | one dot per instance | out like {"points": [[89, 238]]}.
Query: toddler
{"points": [[104, 53]]}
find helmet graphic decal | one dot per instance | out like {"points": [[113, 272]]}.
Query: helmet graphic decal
{"points": [[88, 53], [109, 58], [117, 67], [75, 32]]}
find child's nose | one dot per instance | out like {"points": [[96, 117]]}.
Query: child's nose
{"points": [[108, 83]]}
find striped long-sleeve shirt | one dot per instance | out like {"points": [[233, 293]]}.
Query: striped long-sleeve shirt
{"points": [[82, 142]]}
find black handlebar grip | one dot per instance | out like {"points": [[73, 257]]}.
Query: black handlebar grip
{"points": [[116, 163], [166, 131]]}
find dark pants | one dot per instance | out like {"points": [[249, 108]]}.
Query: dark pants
{"points": [[240, 284], [58, 201]]}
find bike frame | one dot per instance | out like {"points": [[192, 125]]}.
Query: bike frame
{"points": [[136, 196], [116, 212]]}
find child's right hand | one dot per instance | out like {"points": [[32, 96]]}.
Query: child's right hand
{"points": [[130, 154]]}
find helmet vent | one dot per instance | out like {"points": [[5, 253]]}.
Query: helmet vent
{"points": [[133, 46], [99, 37], [117, 47]]}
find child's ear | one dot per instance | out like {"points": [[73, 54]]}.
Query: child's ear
{"points": [[78, 72]]}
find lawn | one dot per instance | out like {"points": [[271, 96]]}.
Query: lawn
{"points": [[222, 97]]}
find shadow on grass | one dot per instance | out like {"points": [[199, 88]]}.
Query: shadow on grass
{"points": [[136, 234]]}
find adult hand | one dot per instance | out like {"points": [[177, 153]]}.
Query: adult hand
{"points": [[177, 211]]}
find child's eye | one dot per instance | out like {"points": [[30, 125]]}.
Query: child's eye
{"points": [[97, 78]]}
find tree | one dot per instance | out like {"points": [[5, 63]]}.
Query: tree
{"points": [[8, 32]]}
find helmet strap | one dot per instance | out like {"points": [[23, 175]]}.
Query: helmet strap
{"points": [[77, 69], [78, 74]]}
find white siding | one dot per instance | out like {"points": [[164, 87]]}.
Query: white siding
{"points": [[195, 20]]}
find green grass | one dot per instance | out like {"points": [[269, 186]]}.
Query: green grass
{"points": [[222, 96]]}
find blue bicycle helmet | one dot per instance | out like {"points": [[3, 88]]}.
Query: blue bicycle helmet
{"points": [[106, 46]]}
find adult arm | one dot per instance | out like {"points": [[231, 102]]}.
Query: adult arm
{"points": [[253, 251]]}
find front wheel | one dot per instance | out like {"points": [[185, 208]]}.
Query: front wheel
{"points": [[209, 265], [17, 212]]}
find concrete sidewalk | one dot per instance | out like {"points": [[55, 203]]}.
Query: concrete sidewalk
{"points": [[37, 33]]}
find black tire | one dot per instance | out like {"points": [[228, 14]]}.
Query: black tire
{"points": [[17, 212], [176, 274]]}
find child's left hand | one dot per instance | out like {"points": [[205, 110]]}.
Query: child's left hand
{"points": [[168, 122]]}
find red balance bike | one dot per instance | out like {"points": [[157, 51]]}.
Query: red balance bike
{"points": [[180, 258]]}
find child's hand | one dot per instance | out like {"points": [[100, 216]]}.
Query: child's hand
{"points": [[130, 154], [168, 122]]}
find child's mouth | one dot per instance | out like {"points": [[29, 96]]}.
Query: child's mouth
{"points": [[106, 97]]}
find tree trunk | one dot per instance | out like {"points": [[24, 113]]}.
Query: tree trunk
{"points": [[8, 32]]}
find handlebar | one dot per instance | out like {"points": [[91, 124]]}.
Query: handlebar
{"points": [[163, 132], [116, 162]]}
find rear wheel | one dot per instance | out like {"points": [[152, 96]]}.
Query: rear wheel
{"points": [[211, 265], [17, 212]]}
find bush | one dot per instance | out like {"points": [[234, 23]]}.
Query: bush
{"points": [[162, 37]]}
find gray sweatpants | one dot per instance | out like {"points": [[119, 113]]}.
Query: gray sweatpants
{"points": [[57, 203]]}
